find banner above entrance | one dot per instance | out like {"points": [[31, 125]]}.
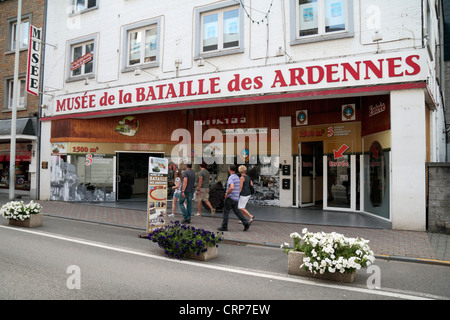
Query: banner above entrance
{"points": [[334, 136], [389, 68]]}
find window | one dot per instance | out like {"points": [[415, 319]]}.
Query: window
{"points": [[141, 44], [10, 93], [12, 31], [219, 30], [83, 5], [25, 34], [317, 20], [81, 57]]}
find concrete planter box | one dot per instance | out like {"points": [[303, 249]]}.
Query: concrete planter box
{"points": [[34, 221], [295, 260], [211, 253]]}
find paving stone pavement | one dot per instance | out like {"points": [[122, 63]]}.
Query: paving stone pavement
{"points": [[386, 243]]}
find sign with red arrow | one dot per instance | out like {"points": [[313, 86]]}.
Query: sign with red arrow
{"points": [[340, 152]]}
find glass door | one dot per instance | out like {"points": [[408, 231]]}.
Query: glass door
{"points": [[341, 183], [306, 173]]}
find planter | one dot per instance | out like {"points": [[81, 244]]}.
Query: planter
{"points": [[209, 254], [34, 221], [295, 260]]}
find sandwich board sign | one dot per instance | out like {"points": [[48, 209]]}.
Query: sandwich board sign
{"points": [[157, 193]]}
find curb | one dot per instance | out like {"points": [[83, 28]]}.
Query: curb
{"points": [[415, 260], [377, 256], [271, 245]]}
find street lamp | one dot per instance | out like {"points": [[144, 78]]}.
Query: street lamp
{"points": [[16, 95]]}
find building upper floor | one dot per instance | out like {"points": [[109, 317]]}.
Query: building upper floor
{"points": [[33, 13], [101, 44]]}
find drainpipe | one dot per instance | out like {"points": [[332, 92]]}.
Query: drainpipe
{"points": [[39, 125]]}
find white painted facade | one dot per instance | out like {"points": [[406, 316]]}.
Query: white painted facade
{"points": [[402, 34]]}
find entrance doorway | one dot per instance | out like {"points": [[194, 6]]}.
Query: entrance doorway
{"points": [[132, 175], [308, 189], [342, 182]]}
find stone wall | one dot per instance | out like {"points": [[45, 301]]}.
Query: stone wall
{"points": [[438, 196]]}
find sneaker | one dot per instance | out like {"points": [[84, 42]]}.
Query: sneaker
{"points": [[171, 215], [197, 214], [186, 221], [213, 212], [247, 226], [222, 229]]}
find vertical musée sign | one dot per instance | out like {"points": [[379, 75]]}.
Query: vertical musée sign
{"points": [[34, 60], [157, 193]]}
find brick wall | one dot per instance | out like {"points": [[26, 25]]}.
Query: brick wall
{"points": [[439, 196], [8, 11]]}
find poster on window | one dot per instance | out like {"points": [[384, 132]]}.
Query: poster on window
{"points": [[157, 193], [81, 61], [334, 13], [308, 16]]}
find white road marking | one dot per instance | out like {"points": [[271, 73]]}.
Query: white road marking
{"points": [[253, 273]]}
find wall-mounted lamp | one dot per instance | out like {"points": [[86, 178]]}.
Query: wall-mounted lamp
{"points": [[280, 52], [29, 148], [377, 37], [202, 61], [137, 72]]}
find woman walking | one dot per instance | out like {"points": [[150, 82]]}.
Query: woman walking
{"points": [[244, 192], [177, 192]]}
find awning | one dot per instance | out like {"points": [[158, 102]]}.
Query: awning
{"points": [[26, 129], [20, 157]]}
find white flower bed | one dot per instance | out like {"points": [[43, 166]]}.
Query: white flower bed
{"points": [[331, 252], [17, 210]]}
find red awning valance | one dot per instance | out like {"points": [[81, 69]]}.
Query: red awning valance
{"points": [[20, 157]]}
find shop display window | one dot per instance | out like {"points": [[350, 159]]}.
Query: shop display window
{"points": [[264, 174], [22, 179], [82, 178]]}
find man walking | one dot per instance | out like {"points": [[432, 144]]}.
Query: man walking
{"points": [[232, 199], [203, 190], [187, 193]]}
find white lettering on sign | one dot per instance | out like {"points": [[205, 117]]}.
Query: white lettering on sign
{"points": [[376, 109], [355, 71]]}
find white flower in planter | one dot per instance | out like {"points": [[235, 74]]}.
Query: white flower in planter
{"points": [[17, 210], [331, 252]]}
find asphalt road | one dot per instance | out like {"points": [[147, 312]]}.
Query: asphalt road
{"points": [[70, 260]]}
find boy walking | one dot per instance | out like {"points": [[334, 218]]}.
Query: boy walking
{"points": [[203, 190]]}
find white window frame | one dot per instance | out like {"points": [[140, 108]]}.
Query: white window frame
{"points": [[322, 35], [9, 86], [142, 27], [11, 29], [25, 34], [199, 30], [76, 10], [71, 45]]}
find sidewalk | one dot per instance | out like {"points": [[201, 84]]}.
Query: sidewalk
{"points": [[386, 243]]}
